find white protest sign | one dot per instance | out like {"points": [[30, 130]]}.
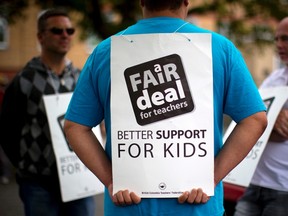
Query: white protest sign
{"points": [[274, 99], [162, 127], [76, 181]]}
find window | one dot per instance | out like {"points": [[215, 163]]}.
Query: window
{"points": [[3, 34]]}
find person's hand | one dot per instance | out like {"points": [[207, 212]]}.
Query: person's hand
{"points": [[281, 124], [195, 196], [123, 197]]}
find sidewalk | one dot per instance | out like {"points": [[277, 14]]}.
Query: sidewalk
{"points": [[10, 203]]}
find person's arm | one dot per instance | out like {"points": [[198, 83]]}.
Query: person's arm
{"points": [[280, 129], [12, 120], [87, 147], [238, 144], [91, 153]]}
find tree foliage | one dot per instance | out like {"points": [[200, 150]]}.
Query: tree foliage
{"points": [[247, 20], [242, 21], [94, 17]]}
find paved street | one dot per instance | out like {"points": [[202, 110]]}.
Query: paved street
{"points": [[10, 204]]}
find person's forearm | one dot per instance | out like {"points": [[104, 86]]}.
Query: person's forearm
{"points": [[280, 129], [238, 144], [276, 137], [89, 150]]}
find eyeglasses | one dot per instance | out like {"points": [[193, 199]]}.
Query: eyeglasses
{"points": [[59, 31]]}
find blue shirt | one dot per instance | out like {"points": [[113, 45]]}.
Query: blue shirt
{"points": [[235, 94]]}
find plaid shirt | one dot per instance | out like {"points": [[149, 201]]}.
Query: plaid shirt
{"points": [[25, 134]]}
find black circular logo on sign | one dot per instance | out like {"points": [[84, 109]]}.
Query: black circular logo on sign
{"points": [[162, 186]]}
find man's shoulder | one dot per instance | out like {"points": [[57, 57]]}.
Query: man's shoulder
{"points": [[275, 78], [29, 71], [277, 73], [103, 48], [34, 64]]}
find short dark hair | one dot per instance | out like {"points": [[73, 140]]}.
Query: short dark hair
{"points": [[41, 24], [156, 5]]}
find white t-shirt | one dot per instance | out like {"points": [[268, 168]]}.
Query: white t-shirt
{"points": [[272, 169]]}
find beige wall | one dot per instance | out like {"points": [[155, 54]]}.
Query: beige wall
{"points": [[260, 62], [23, 44]]}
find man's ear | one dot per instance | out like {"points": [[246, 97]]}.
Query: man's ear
{"points": [[186, 2], [39, 36]]}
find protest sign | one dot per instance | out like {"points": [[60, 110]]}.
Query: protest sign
{"points": [[162, 127], [274, 99], [76, 181]]}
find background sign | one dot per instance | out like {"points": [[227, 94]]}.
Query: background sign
{"points": [[162, 114], [76, 181], [274, 99]]}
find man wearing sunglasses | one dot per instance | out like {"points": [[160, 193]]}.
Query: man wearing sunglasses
{"points": [[24, 115]]}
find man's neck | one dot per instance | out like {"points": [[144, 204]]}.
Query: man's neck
{"points": [[55, 62], [164, 13], [180, 13]]}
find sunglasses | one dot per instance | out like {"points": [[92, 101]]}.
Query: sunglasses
{"points": [[283, 38], [59, 31]]}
